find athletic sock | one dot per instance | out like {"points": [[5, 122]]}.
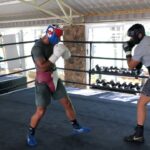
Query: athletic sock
{"points": [[75, 124], [31, 131], [139, 130]]}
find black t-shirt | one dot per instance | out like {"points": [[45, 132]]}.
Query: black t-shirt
{"points": [[41, 50]]}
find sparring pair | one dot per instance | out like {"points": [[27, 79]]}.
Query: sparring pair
{"points": [[45, 52], [140, 56]]}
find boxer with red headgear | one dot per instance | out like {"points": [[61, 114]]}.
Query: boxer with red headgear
{"points": [[45, 52], [54, 33]]}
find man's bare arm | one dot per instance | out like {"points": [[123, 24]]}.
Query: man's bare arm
{"points": [[132, 63], [44, 65]]}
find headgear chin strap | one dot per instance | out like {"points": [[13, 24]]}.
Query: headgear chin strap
{"points": [[54, 33]]}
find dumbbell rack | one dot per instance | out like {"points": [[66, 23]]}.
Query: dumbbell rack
{"points": [[113, 89], [116, 89], [128, 74], [116, 72]]}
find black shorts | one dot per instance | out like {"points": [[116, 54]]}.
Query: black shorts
{"points": [[43, 95], [146, 88]]}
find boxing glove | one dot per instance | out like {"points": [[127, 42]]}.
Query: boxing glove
{"points": [[58, 51], [127, 47]]}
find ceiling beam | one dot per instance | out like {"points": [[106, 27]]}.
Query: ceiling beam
{"points": [[48, 12], [68, 17], [44, 3]]}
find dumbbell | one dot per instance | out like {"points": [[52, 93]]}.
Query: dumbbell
{"points": [[122, 71], [124, 85], [92, 70], [114, 69], [102, 83], [117, 71], [112, 84], [131, 86], [98, 81], [111, 69], [137, 87], [117, 85], [127, 72], [105, 69], [98, 69]]}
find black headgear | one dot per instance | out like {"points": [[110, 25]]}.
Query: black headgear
{"points": [[134, 31]]}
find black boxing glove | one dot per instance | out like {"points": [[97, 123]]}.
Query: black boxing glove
{"points": [[127, 47]]}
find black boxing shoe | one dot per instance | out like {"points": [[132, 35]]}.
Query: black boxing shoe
{"points": [[137, 137], [134, 139]]}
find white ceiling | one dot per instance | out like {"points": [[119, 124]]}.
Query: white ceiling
{"points": [[15, 13]]}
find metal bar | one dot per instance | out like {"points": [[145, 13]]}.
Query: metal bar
{"points": [[115, 74], [102, 42], [98, 57], [90, 63], [10, 59], [88, 42], [107, 58], [73, 70], [17, 72], [26, 42], [76, 82]]}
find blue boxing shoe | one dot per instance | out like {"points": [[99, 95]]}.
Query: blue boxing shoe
{"points": [[31, 141], [81, 130], [78, 129]]}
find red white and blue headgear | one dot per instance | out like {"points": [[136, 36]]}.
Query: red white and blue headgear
{"points": [[54, 33]]}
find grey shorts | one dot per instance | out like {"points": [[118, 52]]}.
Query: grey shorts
{"points": [[43, 94], [146, 88]]}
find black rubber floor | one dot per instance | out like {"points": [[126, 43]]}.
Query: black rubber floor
{"points": [[110, 122]]}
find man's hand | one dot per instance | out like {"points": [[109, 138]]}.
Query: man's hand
{"points": [[44, 65], [127, 47]]}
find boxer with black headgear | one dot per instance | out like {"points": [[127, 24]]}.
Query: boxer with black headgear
{"points": [[141, 55], [45, 52], [136, 34]]}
